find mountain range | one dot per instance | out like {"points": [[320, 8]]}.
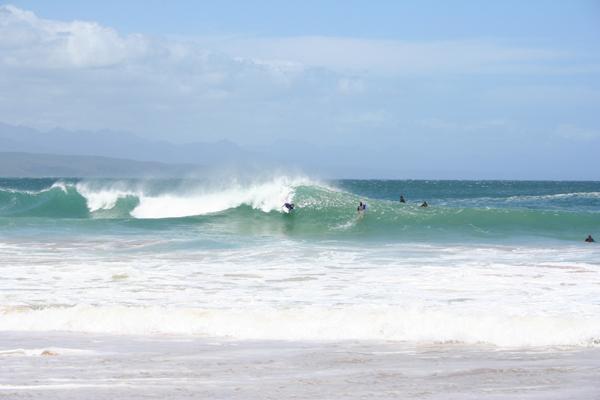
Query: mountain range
{"points": [[118, 145]]}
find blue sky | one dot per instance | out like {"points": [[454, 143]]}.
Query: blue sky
{"points": [[429, 19], [478, 89]]}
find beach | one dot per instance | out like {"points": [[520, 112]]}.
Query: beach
{"points": [[101, 366], [154, 289]]}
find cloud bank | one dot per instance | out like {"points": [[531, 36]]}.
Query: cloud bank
{"points": [[385, 97]]}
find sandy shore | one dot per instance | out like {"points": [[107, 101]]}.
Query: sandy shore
{"points": [[77, 366]]}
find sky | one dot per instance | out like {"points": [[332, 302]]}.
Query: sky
{"points": [[506, 90]]}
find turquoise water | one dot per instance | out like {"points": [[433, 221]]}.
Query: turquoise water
{"points": [[234, 211]]}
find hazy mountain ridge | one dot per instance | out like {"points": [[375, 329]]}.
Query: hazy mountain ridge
{"points": [[35, 165], [118, 145], [82, 149], [292, 155]]}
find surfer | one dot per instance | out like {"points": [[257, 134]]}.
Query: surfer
{"points": [[361, 207], [589, 239], [424, 205], [402, 199], [289, 206]]}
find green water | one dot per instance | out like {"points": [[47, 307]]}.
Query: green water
{"points": [[458, 210]]}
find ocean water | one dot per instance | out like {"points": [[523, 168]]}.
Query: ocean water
{"points": [[490, 292]]}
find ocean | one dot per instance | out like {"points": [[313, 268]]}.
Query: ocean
{"points": [[206, 288]]}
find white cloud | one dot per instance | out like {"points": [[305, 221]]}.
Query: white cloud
{"points": [[82, 75], [29, 41], [394, 56]]}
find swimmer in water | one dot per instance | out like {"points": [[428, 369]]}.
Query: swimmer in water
{"points": [[424, 205], [589, 239]]}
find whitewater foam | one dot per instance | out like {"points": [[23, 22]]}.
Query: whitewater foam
{"points": [[104, 198], [559, 196], [57, 185], [265, 196], [507, 296], [46, 351], [372, 322]]}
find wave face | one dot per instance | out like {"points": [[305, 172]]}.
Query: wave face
{"points": [[489, 209]]}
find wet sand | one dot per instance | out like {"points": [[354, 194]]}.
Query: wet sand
{"points": [[84, 366]]}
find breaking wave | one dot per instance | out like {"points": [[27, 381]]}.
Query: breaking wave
{"points": [[321, 209]]}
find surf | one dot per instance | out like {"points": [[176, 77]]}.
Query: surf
{"points": [[365, 322], [323, 209]]}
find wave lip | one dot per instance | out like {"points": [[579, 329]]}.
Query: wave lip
{"points": [[264, 196], [394, 323]]}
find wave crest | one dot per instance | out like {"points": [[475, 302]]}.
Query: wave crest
{"points": [[264, 196], [148, 200]]}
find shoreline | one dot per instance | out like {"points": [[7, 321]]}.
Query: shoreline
{"points": [[114, 366]]}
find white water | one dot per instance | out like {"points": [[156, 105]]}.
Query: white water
{"points": [[265, 196], [398, 323], [194, 198], [105, 198], [180, 309], [505, 296]]}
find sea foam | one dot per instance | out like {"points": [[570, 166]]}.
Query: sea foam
{"points": [[265, 196], [365, 322]]}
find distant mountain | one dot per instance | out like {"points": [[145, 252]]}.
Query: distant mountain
{"points": [[14, 164], [119, 145], [290, 155]]}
